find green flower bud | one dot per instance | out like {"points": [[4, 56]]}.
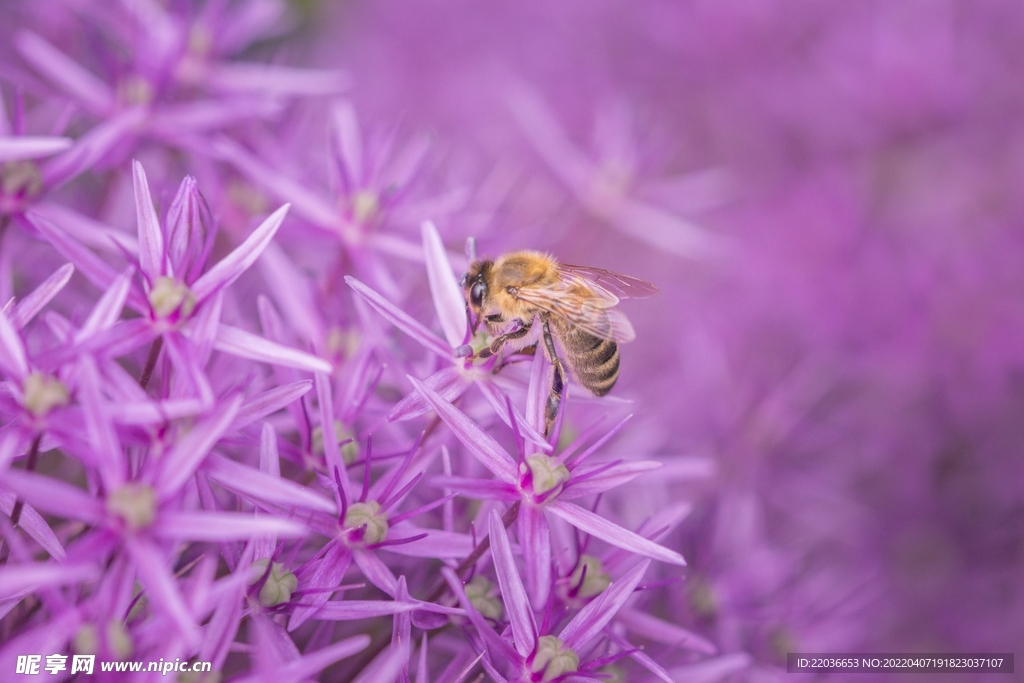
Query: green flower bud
{"points": [[548, 475], [589, 584], [484, 597], [41, 393], [368, 514], [278, 587], [134, 503], [365, 206], [553, 658], [20, 177], [169, 295], [349, 451]]}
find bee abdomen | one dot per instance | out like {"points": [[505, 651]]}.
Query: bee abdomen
{"points": [[595, 361]]}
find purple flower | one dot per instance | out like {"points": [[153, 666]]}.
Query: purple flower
{"points": [[604, 188], [544, 485], [532, 657], [375, 188], [179, 303]]}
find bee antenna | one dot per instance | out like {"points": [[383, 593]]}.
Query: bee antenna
{"points": [[471, 249]]}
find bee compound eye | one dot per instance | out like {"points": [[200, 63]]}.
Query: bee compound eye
{"points": [[476, 293]]}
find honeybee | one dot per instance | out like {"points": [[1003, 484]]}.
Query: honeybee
{"points": [[572, 305]]}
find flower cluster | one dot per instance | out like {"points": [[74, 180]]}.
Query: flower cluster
{"points": [[231, 431], [246, 416]]}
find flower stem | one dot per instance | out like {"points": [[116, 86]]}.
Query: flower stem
{"points": [[19, 504], [508, 519], [154, 354]]}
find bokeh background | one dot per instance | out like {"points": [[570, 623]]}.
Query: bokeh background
{"points": [[827, 193], [849, 347]]}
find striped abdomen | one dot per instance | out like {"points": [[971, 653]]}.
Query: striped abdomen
{"points": [[594, 361]]}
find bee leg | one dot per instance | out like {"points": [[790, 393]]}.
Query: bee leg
{"points": [[557, 382], [496, 345]]}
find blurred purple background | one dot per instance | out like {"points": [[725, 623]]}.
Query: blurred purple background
{"points": [[849, 349]]}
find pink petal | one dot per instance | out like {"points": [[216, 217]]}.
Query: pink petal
{"points": [[54, 497], [480, 489], [662, 229], [497, 401], [517, 605], [248, 345], [401, 171], [307, 203], [351, 610], [151, 237], [34, 302], [614, 475], [590, 620], [223, 526], [648, 626], [183, 356], [480, 445], [88, 231], [12, 351], [376, 572], [65, 72], [161, 588], [87, 263], [277, 80], [332, 454], [307, 666], [535, 541], [31, 147], [548, 139], [21, 579], [239, 260], [328, 572], [185, 228], [34, 525], [269, 402], [254, 484], [448, 382], [291, 288], [347, 137], [108, 309], [400, 319], [180, 463], [99, 428], [437, 544], [93, 146], [210, 115], [444, 288], [12, 442], [537, 393], [151, 413], [494, 642], [270, 461], [385, 668], [612, 533], [205, 327]]}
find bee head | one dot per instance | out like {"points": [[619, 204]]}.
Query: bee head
{"points": [[474, 285]]}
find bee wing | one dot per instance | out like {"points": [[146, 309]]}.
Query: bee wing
{"points": [[615, 284], [590, 312]]}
